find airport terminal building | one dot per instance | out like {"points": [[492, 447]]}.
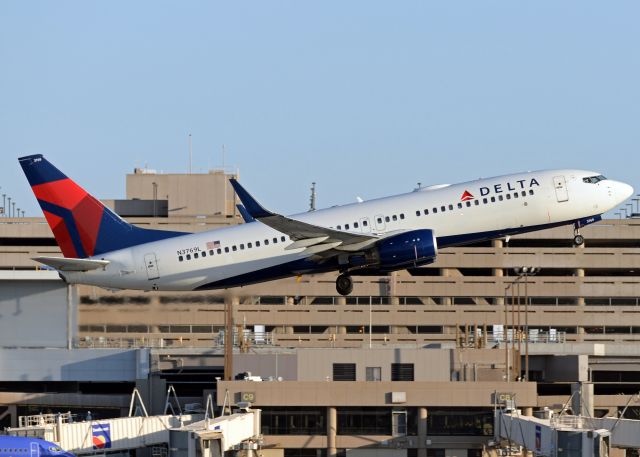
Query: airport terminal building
{"points": [[409, 365]]}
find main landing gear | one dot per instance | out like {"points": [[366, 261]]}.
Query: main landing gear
{"points": [[578, 240], [344, 284]]}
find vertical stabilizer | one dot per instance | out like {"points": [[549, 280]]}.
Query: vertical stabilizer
{"points": [[82, 226]]}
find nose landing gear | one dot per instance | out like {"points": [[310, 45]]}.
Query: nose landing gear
{"points": [[578, 240], [344, 284]]}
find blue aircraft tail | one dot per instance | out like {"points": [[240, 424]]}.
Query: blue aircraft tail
{"points": [[82, 226]]}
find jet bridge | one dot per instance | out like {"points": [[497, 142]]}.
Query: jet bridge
{"points": [[182, 435]]}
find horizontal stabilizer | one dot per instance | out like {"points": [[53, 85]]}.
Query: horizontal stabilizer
{"points": [[68, 264]]}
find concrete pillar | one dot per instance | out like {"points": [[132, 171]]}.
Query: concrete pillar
{"points": [[332, 430], [582, 399], [579, 272], [444, 272], [499, 272], [288, 330], [422, 432], [527, 411], [580, 336]]}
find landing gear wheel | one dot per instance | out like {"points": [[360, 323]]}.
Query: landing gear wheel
{"points": [[578, 240], [344, 284]]}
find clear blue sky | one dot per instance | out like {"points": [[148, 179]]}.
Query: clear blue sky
{"points": [[366, 98]]}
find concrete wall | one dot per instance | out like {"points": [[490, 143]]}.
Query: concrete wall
{"points": [[33, 310], [265, 365], [429, 364], [74, 365]]}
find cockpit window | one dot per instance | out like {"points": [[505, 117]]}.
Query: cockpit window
{"points": [[54, 449], [593, 179]]}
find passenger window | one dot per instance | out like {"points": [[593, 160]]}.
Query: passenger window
{"points": [[180, 258], [500, 197], [249, 245], [418, 213], [257, 244], [485, 201], [515, 195], [346, 226], [459, 205], [282, 238], [508, 196], [477, 202], [355, 225], [435, 210], [195, 255], [275, 240], [394, 217], [468, 204], [387, 218], [339, 227], [379, 220], [241, 245], [188, 256], [530, 191], [426, 211], [524, 193], [226, 249], [219, 251], [402, 216], [443, 208], [493, 199], [234, 248], [204, 253], [450, 207], [266, 242], [211, 252], [365, 223]]}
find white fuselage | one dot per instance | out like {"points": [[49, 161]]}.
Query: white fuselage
{"points": [[239, 255]]}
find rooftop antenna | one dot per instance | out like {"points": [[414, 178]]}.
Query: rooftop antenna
{"points": [[312, 200], [190, 154]]}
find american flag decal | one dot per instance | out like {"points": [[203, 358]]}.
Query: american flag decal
{"points": [[213, 244]]}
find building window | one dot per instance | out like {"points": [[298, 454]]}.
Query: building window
{"points": [[402, 372], [344, 371], [374, 374]]}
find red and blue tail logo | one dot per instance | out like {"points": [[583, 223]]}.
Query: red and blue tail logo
{"points": [[81, 225]]}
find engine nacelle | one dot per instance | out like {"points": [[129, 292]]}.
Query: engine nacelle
{"points": [[407, 249]]}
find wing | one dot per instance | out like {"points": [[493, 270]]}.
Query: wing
{"points": [[312, 237], [69, 264]]}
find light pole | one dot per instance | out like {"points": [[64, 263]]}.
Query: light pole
{"points": [[526, 272], [9, 199], [13, 211], [4, 206]]}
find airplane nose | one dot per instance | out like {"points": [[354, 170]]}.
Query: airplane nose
{"points": [[623, 191]]}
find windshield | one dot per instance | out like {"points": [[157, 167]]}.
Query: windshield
{"points": [[594, 179]]}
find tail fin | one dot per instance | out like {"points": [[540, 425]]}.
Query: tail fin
{"points": [[82, 226]]}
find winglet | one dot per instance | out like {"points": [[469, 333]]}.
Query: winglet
{"points": [[255, 209], [246, 217]]}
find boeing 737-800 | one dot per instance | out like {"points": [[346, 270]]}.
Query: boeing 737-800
{"points": [[27, 446], [371, 237]]}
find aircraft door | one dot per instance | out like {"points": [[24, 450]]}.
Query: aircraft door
{"points": [[151, 263], [379, 223], [35, 450], [366, 226], [560, 184]]}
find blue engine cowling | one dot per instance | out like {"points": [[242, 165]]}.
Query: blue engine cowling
{"points": [[406, 249]]}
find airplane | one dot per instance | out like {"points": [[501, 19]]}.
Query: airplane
{"points": [[27, 446], [363, 238]]}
